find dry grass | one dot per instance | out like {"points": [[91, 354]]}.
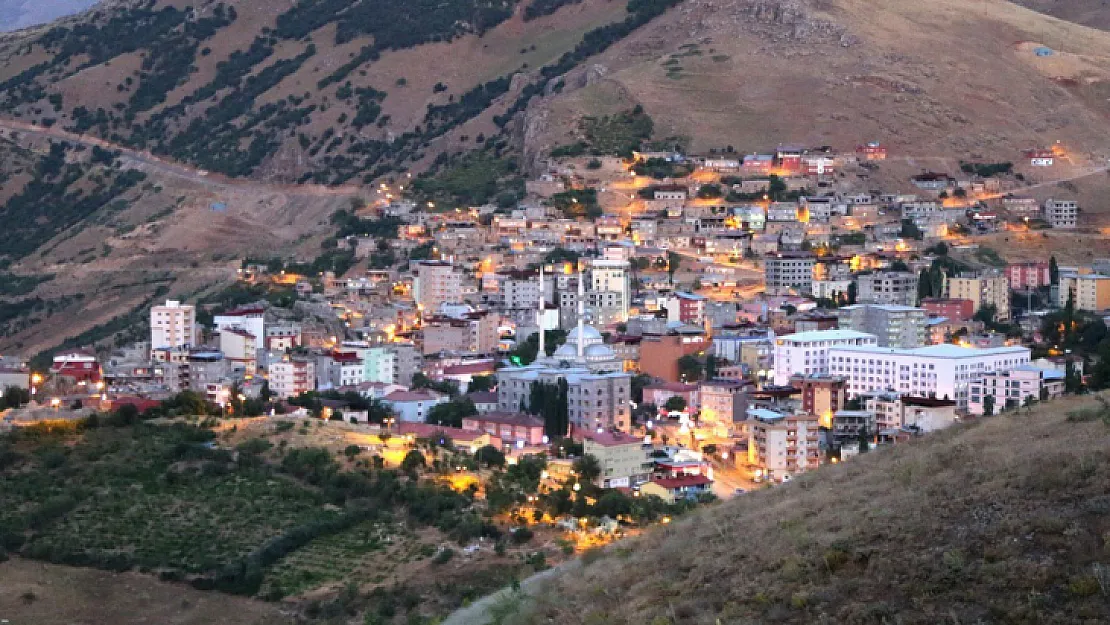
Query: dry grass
{"points": [[47, 594], [1002, 521]]}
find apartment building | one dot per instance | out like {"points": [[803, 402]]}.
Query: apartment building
{"points": [[249, 318], [623, 458], [723, 401], [986, 289], [290, 377], [473, 332], [436, 283], [944, 371], [822, 395], [806, 353], [1026, 276], [1013, 388], [1089, 291], [172, 325], [894, 411], [951, 309], [887, 287], [1061, 213], [780, 445], [893, 325], [788, 273], [612, 276], [659, 353]]}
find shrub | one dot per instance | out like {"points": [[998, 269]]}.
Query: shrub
{"points": [[443, 556]]}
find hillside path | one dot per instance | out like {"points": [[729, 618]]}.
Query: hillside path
{"points": [[479, 612]]}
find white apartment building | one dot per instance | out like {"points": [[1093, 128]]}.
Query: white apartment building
{"points": [[888, 287], [436, 283], [1061, 213], [172, 325], [251, 319], [240, 348], [785, 273], [781, 445], [612, 276], [806, 353], [291, 377], [1012, 388], [944, 371], [893, 325]]}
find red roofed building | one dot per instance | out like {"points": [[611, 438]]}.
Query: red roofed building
{"points": [[79, 365], [464, 373], [873, 151], [460, 437], [140, 403], [512, 428], [672, 489]]}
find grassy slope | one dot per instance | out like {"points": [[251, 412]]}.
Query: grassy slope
{"points": [[1002, 521], [942, 77], [1093, 13]]}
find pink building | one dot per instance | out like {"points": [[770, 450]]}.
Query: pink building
{"points": [[511, 428], [949, 308], [658, 394], [1032, 275]]}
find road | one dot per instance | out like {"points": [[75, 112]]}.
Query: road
{"points": [[151, 163], [480, 612]]}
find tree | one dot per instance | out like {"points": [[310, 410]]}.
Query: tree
{"points": [[481, 383], [690, 368], [675, 403], [490, 456], [1053, 271], [413, 460], [673, 262], [451, 414], [587, 468], [988, 405], [710, 367], [852, 290]]}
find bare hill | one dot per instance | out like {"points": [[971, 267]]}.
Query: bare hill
{"points": [[1002, 521], [1093, 13]]}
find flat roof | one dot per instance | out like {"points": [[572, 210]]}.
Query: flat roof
{"points": [[936, 351], [826, 335]]}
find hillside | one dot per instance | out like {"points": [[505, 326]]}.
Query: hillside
{"points": [[1002, 521], [15, 14], [1093, 13]]}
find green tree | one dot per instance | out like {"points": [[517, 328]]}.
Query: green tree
{"points": [[852, 290], [451, 414], [490, 456], [988, 405], [675, 403], [412, 461], [481, 383], [673, 262], [587, 468], [1053, 271], [690, 368]]}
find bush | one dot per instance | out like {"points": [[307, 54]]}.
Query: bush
{"points": [[443, 556]]}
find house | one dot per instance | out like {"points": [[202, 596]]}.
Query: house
{"points": [[484, 401], [872, 151], [80, 365], [930, 181], [1039, 157], [471, 439], [413, 406], [1013, 388], [672, 489], [512, 428]]}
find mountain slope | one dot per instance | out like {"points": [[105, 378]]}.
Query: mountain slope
{"points": [[1003, 521], [1093, 13], [15, 14]]}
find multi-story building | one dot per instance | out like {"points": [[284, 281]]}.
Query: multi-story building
{"points": [[951, 309], [894, 411], [339, 368], [1013, 388], [887, 287], [1089, 291], [660, 353], [892, 324], [723, 401], [686, 308], [623, 458], [806, 353], [986, 289], [172, 325], [1061, 213], [436, 283], [249, 318], [474, 332], [290, 377], [240, 349], [944, 371], [788, 273], [782, 445], [849, 425], [1027, 276], [511, 427], [612, 276], [822, 395]]}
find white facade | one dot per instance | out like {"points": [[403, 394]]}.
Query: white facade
{"points": [[893, 325], [612, 276], [253, 322], [943, 371], [806, 353], [436, 283], [172, 325]]}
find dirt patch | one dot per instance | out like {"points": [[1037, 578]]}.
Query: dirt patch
{"points": [[47, 594]]}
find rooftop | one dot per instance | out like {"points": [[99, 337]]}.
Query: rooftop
{"points": [[612, 439], [827, 335], [937, 351], [683, 481]]}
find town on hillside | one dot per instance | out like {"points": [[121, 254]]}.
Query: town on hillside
{"points": [[660, 327]]}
